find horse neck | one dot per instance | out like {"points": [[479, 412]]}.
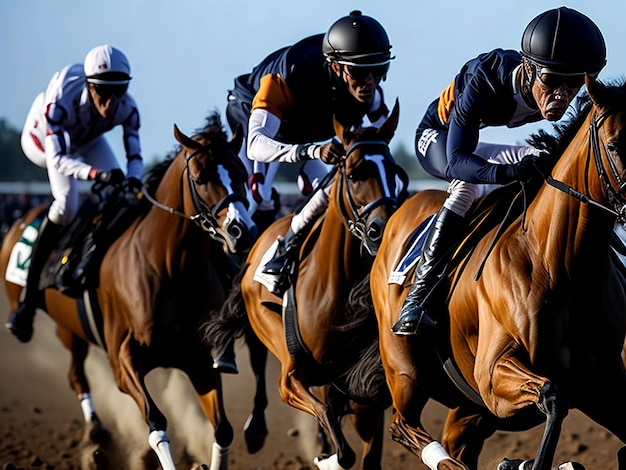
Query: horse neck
{"points": [[335, 241], [565, 228], [169, 231]]}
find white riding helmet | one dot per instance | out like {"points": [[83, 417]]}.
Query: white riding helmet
{"points": [[107, 65]]}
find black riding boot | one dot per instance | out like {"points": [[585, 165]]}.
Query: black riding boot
{"points": [[435, 254], [21, 321], [286, 251]]}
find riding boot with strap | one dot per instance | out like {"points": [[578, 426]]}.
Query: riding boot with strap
{"points": [[435, 254], [21, 321], [286, 251]]}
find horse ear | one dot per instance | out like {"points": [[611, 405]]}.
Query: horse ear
{"points": [[596, 91], [388, 128], [184, 140], [237, 140]]}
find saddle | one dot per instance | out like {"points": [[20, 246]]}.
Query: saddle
{"points": [[101, 219]]}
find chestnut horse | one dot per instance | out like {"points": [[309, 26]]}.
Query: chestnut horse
{"points": [[313, 334], [159, 281], [536, 310]]}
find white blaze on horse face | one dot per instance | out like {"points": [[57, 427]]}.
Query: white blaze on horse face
{"points": [[379, 161]]}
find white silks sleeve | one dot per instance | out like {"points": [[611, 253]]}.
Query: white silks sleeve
{"points": [[262, 147], [68, 165]]}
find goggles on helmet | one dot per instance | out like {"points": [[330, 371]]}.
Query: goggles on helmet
{"points": [[553, 80], [105, 91], [361, 72]]}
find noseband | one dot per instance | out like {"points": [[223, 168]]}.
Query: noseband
{"points": [[616, 199]]}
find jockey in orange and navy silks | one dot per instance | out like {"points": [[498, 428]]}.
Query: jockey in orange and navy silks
{"points": [[485, 93], [287, 104], [497, 88]]}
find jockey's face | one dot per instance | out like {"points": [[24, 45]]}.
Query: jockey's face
{"points": [[361, 81], [553, 92], [106, 98]]}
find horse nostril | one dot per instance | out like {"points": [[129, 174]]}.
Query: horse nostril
{"points": [[375, 230], [235, 231]]}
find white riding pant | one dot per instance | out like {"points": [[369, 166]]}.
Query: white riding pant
{"points": [[461, 194], [64, 188]]}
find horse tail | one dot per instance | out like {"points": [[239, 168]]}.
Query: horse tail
{"points": [[364, 380], [231, 321]]}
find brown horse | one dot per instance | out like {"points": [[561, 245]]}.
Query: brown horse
{"points": [[536, 319], [313, 334], [159, 281]]}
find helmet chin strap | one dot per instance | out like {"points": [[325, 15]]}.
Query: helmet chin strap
{"points": [[527, 82]]}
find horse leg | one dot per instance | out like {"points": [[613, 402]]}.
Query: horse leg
{"points": [[465, 432], [130, 377], [409, 398], [296, 394], [369, 424], [255, 429], [422, 444], [509, 386], [208, 386], [78, 349]]}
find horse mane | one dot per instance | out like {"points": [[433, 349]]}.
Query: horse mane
{"points": [[212, 129]]}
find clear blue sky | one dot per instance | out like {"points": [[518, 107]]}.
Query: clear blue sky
{"points": [[184, 55]]}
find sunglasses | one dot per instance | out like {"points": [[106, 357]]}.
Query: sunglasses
{"points": [[555, 80], [361, 73], [105, 91]]}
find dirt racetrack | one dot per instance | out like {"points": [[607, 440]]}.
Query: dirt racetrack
{"points": [[41, 423]]}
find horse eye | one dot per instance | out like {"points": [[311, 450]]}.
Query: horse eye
{"points": [[200, 180], [612, 146]]}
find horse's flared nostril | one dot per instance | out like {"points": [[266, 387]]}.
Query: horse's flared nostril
{"points": [[375, 230], [235, 230]]}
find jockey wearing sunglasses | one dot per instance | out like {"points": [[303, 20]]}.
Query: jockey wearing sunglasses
{"points": [[287, 104], [498, 88], [64, 133]]}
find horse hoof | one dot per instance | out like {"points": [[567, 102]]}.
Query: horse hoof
{"points": [[517, 464], [255, 432]]}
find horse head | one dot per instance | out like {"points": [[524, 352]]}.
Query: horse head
{"points": [[372, 185], [217, 187]]}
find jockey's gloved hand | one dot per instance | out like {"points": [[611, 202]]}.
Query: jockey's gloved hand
{"points": [[525, 170], [254, 181], [112, 177], [133, 184], [331, 152]]}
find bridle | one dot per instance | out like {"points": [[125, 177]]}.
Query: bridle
{"points": [[205, 216], [615, 196], [357, 221]]}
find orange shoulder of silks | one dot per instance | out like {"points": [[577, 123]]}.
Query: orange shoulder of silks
{"points": [[446, 101], [274, 95]]}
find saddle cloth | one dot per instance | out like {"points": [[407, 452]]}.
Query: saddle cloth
{"points": [[412, 252]]}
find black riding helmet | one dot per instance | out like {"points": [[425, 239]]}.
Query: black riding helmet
{"points": [[565, 41], [357, 40]]}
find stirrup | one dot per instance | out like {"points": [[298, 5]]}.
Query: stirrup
{"points": [[409, 323], [20, 323]]}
